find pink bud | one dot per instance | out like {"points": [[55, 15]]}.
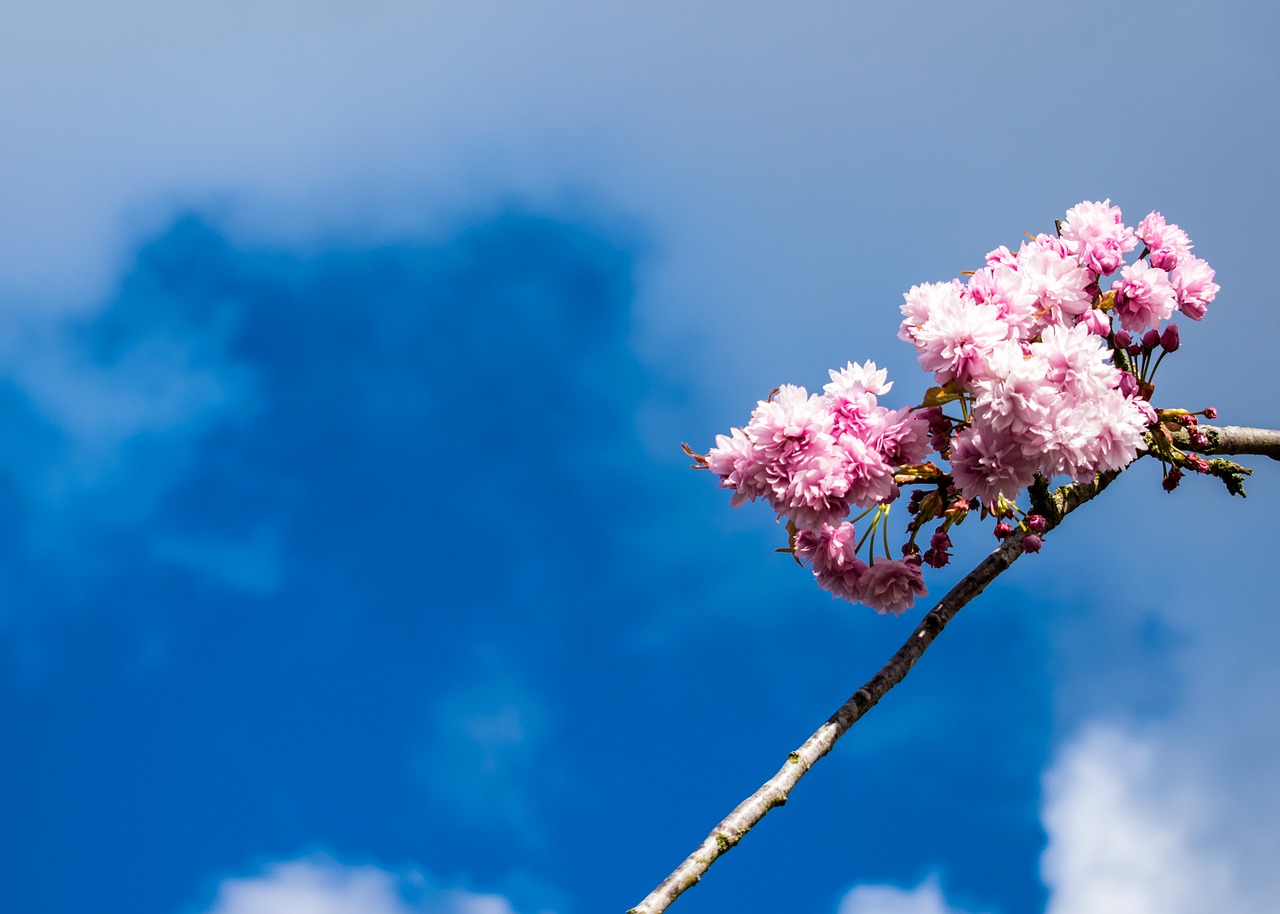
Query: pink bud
{"points": [[1003, 529], [937, 558], [1036, 523], [1122, 339], [1210, 412], [1031, 543], [1096, 322], [1150, 339], [1169, 339]]}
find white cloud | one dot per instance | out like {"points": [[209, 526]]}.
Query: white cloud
{"points": [[1127, 834], [319, 885], [926, 898]]}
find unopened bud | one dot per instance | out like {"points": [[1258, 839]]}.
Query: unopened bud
{"points": [[1169, 340], [937, 558], [1036, 523], [1171, 479], [1096, 322], [1122, 339], [1031, 543], [1150, 339], [1003, 529], [1210, 412]]}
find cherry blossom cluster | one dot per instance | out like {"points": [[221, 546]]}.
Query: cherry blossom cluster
{"points": [[1033, 380]]}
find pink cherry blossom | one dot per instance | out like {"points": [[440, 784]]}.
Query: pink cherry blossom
{"points": [[1144, 297], [956, 340], [831, 552], [1057, 280], [1168, 244], [1096, 233], [986, 464], [891, 586], [1194, 287]]}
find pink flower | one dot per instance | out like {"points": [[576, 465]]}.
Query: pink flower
{"points": [[1058, 281], [790, 428], [1002, 255], [831, 553], [1096, 322], [899, 436], [851, 396], [1077, 363], [891, 586], [956, 342], [813, 493], [1168, 244], [735, 460], [867, 477], [1096, 233], [1003, 288], [1194, 287], [922, 301], [858, 379], [1144, 297], [1093, 436], [987, 464]]}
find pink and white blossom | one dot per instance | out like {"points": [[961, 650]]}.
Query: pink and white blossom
{"points": [[1144, 297], [892, 586], [1027, 348], [1096, 233], [1168, 244], [1194, 287], [1058, 281], [957, 339], [832, 554]]}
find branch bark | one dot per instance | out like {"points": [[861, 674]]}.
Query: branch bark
{"points": [[1234, 440], [1055, 507]]}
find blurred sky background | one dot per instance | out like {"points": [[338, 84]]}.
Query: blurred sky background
{"points": [[349, 561]]}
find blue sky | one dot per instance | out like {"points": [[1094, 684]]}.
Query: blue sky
{"points": [[352, 563]]}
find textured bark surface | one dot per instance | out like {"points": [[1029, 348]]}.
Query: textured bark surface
{"points": [[1232, 439]]}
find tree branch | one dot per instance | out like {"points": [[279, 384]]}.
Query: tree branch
{"points": [[1232, 439], [774, 791], [1055, 507]]}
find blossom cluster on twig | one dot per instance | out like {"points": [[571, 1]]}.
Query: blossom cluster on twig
{"points": [[1039, 372]]}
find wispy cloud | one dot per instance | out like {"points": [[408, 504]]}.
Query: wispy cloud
{"points": [[926, 898], [321, 885]]}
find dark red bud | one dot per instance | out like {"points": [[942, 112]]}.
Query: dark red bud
{"points": [[1031, 543], [1150, 340], [1169, 340], [1122, 339], [1037, 524]]}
